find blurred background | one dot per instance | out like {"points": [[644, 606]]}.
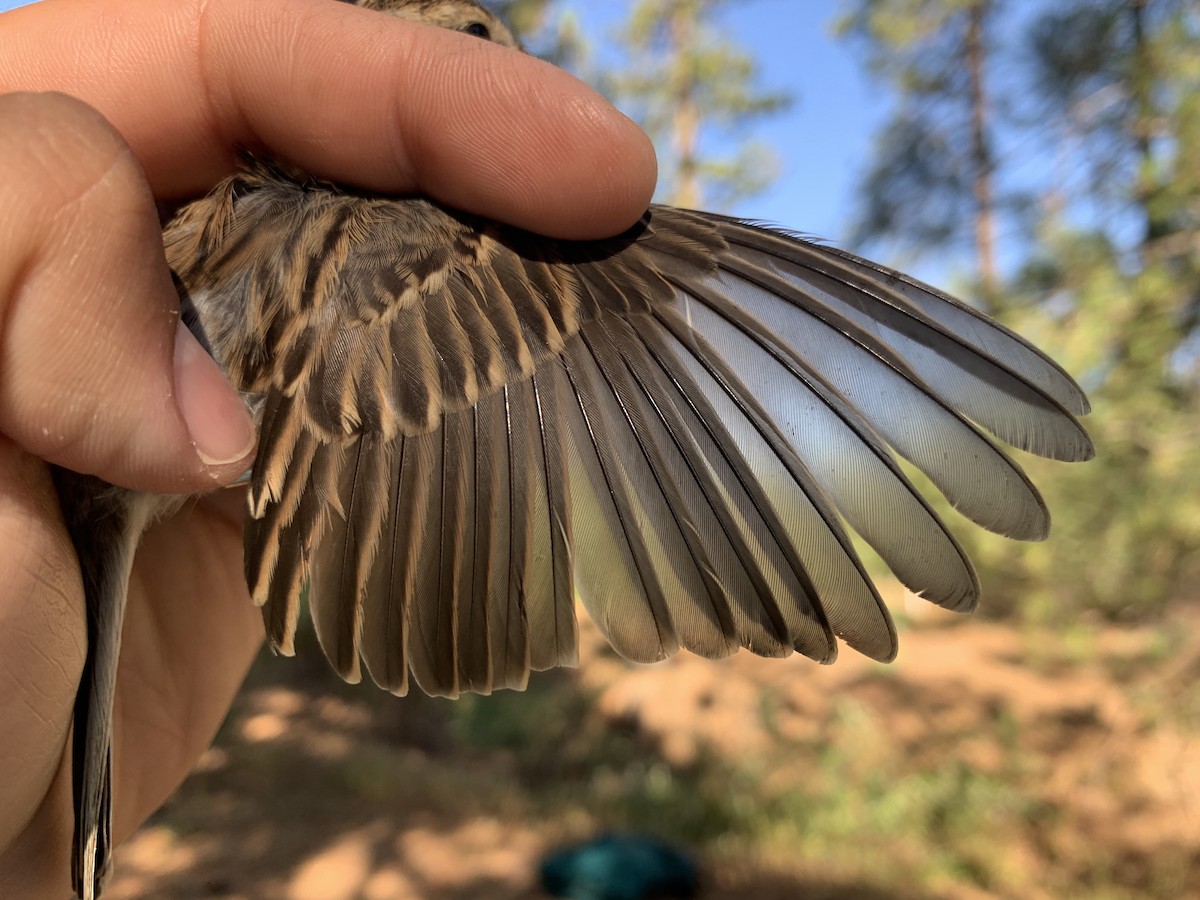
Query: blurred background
{"points": [[1040, 158]]}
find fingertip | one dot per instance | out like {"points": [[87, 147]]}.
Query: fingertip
{"points": [[627, 170], [592, 170], [508, 136], [216, 418]]}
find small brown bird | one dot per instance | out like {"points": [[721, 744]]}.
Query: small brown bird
{"points": [[462, 425]]}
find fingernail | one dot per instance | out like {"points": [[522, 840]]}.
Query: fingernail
{"points": [[216, 418]]}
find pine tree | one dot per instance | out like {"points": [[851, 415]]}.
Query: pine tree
{"points": [[548, 30], [686, 84], [932, 181], [1115, 284], [1101, 101]]}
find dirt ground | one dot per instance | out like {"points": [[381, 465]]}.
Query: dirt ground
{"points": [[987, 761]]}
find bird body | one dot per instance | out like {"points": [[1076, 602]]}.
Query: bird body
{"points": [[463, 425]]}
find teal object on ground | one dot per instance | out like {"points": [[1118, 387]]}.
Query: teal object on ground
{"points": [[620, 867]]}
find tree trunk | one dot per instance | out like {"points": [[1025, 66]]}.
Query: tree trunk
{"points": [[981, 158], [686, 117]]}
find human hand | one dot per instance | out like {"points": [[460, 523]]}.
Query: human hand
{"points": [[94, 374]]}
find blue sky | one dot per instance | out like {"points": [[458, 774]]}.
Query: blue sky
{"points": [[823, 141]]}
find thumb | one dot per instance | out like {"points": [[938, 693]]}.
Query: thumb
{"points": [[96, 372]]}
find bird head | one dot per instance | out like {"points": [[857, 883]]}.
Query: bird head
{"points": [[464, 16]]}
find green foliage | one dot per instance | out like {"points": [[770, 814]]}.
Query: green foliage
{"points": [[933, 823], [930, 185], [548, 32], [569, 754], [1108, 282], [684, 80], [1127, 524], [694, 91], [918, 190]]}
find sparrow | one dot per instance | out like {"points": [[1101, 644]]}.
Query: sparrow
{"points": [[462, 426]]}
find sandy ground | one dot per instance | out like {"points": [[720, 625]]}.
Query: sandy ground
{"points": [[986, 761]]}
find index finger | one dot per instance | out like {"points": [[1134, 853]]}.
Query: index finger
{"points": [[346, 93]]}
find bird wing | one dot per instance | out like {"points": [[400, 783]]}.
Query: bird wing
{"points": [[464, 425]]}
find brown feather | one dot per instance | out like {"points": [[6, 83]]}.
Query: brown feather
{"points": [[475, 307]]}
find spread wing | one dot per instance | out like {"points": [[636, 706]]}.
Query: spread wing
{"points": [[464, 425]]}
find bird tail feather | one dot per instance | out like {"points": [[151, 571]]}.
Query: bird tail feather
{"points": [[105, 526]]}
